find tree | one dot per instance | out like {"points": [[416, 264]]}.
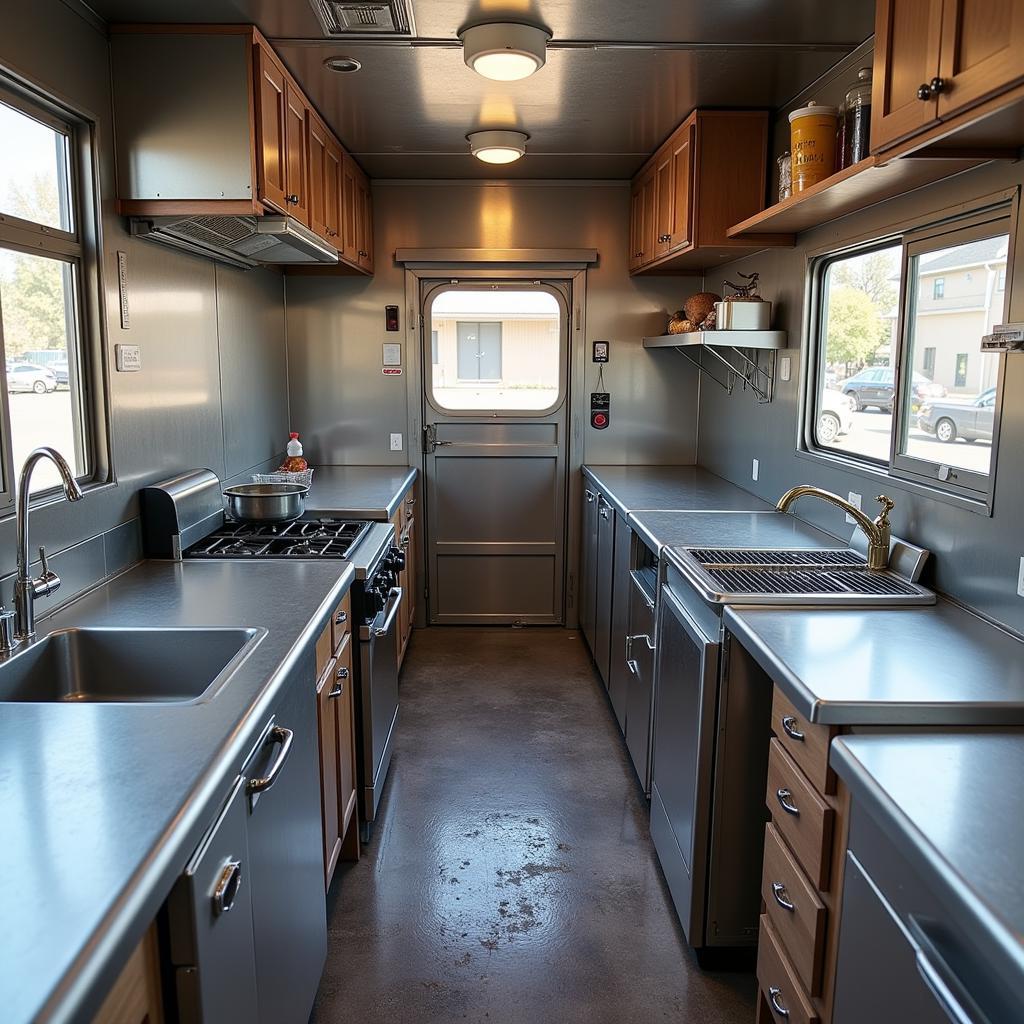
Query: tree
{"points": [[875, 273], [32, 295], [854, 329]]}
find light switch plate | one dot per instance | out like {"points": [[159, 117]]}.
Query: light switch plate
{"points": [[755, 469], [1020, 579], [785, 368], [396, 442], [127, 358], [855, 500]]}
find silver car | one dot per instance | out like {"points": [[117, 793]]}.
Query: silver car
{"points": [[29, 377]]}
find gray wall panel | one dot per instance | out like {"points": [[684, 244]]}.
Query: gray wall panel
{"points": [[976, 556], [346, 408], [168, 417]]}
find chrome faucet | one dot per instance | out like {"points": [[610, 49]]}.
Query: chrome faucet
{"points": [[876, 530], [26, 589]]}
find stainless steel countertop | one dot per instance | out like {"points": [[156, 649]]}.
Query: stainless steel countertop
{"points": [[954, 806], [662, 531], [358, 492], [879, 666], [105, 802], [684, 488]]}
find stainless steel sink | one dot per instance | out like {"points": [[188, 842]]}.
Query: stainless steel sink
{"points": [[796, 576], [118, 665]]}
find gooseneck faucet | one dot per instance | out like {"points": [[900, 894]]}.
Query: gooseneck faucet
{"points": [[876, 530], [26, 589]]}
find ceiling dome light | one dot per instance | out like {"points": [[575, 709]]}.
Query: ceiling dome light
{"points": [[343, 65], [497, 147], [505, 52]]}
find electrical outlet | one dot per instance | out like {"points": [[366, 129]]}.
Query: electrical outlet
{"points": [[1020, 579], [855, 500], [396, 442], [755, 468]]}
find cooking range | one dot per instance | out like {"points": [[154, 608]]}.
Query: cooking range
{"points": [[184, 519]]}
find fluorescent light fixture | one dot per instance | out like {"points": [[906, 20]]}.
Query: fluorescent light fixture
{"points": [[505, 52], [497, 147]]}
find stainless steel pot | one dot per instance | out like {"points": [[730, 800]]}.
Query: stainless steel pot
{"points": [[266, 503]]}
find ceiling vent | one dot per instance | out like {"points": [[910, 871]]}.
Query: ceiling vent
{"points": [[346, 18]]}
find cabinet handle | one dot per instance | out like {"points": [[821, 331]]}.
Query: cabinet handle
{"points": [[340, 618], [604, 510], [339, 687], [664, 238], [363, 253], [405, 541], [782, 897], [590, 496], [226, 889], [937, 86], [293, 199], [790, 729], [785, 798], [775, 998], [924, 93], [276, 735]]}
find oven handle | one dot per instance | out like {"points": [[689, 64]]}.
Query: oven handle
{"points": [[382, 630]]}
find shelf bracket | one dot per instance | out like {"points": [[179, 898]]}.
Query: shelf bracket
{"points": [[760, 379]]}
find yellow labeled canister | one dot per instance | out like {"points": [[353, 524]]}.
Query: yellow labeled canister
{"points": [[812, 131]]}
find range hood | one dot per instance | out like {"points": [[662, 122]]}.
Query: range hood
{"points": [[241, 241]]}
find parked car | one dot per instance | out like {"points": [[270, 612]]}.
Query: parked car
{"points": [[835, 416], [29, 377], [60, 372], [970, 421], [875, 386]]}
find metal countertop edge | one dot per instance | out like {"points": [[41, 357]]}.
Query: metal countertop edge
{"points": [[974, 915], [379, 514], [82, 988]]}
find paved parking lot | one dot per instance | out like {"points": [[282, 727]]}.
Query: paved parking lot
{"points": [[872, 429], [42, 419]]}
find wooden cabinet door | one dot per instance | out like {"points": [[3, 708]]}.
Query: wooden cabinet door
{"points": [[317, 137], [271, 175], [365, 211], [327, 722], [345, 703], [636, 226], [681, 229], [648, 239], [907, 47], [982, 51], [296, 154], [664, 204], [334, 191], [350, 211]]}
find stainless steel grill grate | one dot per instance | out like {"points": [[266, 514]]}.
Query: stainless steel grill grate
{"points": [[809, 582], [776, 557]]}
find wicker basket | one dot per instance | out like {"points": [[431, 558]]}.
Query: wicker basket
{"points": [[304, 477]]}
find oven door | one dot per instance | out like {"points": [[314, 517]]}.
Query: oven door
{"points": [[378, 698], [682, 769]]}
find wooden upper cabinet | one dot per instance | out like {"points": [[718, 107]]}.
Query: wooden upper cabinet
{"points": [[271, 159], [364, 220], [350, 220], [709, 175], [296, 154], [325, 184], [982, 51]]}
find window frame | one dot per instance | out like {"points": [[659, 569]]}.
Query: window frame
{"points": [[79, 250], [914, 475]]}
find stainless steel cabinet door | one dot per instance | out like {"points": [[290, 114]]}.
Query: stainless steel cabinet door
{"points": [[605, 565], [210, 924], [588, 577], [681, 774], [622, 587], [640, 691], [286, 852]]}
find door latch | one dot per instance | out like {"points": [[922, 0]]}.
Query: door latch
{"points": [[431, 442]]}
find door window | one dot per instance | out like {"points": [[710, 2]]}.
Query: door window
{"points": [[497, 348]]}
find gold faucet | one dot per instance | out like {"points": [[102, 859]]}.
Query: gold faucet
{"points": [[876, 530]]}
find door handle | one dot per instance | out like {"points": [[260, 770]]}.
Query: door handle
{"points": [[276, 735], [785, 798], [789, 727], [782, 897], [382, 630], [431, 440], [775, 998]]}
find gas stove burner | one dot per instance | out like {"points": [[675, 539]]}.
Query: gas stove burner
{"points": [[240, 548], [304, 538]]}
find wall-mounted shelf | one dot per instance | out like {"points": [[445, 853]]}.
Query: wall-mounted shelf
{"points": [[850, 190], [736, 344]]}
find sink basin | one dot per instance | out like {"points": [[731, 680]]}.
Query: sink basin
{"points": [[126, 666]]}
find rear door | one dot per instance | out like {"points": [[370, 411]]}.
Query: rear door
{"points": [[495, 355]]}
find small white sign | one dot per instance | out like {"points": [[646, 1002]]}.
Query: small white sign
{"points": [[854, 499], [392, 354], [127, 358], [122, 289]]}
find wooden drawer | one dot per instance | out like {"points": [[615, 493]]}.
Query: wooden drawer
{"points": [[787, 1001], [807, 823], [341, 622], [135, 997], [324, 650], [796, 913], [807, 744]]}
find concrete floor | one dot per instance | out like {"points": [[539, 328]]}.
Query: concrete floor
{"points": [[511, 877]]}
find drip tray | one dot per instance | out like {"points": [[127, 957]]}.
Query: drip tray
{"points": [[795, 576]]}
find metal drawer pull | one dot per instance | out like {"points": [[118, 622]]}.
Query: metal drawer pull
{"points": [[293, 199], [340, 618], [590, 495], [785, 798], [281, 735], [774, 997], [226, 889], [789, 723], [782, 897], [339, 687], [603, 511]]}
